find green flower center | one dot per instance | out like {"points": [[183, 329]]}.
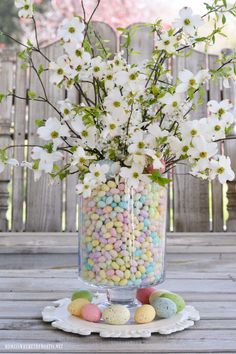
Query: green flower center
{"points": [[66, 111], [167, 42], [192, 82], [203, 154], [97, 174], [96, 69], [221, 112], [220, 170], [79, 67], [174, 104], [71, 29], [26, 7], [82, 160], [78, 53], [193, 132], [60, 71], [112, 126], [109, 77], [141, 145], [54, 134], [185, 148], [187, 21], [217, 128], [132, 76], [116, 104], [84, 133], [135, 174]]}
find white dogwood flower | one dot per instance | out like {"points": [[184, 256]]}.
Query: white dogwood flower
{"points": [[167, 42], [172, 102], [26, 9], [221, 110], [80, 157], [111, 127], [72, 30], [11, 161], [202, 150], [60, 69], [188, 21], [116, 106], [88, 134], [53, 130], [46, 159], [221, 167], [85, 188], [133, 175], [224, 170], [189, 80], [97, 172], [66, 109]]}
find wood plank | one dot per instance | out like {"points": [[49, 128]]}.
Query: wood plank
{"points": [[142, 43], [217, 192], [71, 197], [191, 211], [6, 84], [229, 150], [18, 192], [34, 324], [175, 285], [44, 201], [55, 295], [203, 341]]}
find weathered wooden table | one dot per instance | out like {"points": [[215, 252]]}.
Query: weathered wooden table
{"points": [[37, 269]]}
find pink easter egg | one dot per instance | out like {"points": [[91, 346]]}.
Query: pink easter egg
{"points": [[91, 313], [143, 294]]}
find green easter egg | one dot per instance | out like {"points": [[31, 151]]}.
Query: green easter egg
{"points": [[177, 299], [84, 294]]}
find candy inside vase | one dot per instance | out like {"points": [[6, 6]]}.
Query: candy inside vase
{"points": [[122, 238]]}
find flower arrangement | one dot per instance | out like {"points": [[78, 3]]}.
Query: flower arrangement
{"points": [[134, 120]]}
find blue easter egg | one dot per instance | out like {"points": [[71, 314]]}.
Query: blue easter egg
{"points": [[165, 308]]}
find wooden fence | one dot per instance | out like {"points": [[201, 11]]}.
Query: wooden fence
{"points": [[195, 205]]}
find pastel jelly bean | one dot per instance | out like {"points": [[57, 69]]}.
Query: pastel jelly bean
{"points": [[122, 235]]}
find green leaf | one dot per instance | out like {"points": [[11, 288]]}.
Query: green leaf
{"points": [[32, 95], [223, 19], [2, 96], [40, 69], [29, 43], [3, 155], [40, 122], [49, 148], [24, 66], [157, 177]]}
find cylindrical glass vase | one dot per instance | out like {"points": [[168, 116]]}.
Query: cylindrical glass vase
{"points": [[122, 238]]}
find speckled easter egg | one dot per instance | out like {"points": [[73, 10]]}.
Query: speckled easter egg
{"points": [[165, 308], [143, 294], [84, 294], [177, 299], [91, 313], [116, 315], [144, 314], [156, 294], [76, 305]]}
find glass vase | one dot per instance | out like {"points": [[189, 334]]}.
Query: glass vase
{"points": [[122, 238]]}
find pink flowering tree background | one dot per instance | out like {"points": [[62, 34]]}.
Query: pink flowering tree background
{"points": [[121, 14]]}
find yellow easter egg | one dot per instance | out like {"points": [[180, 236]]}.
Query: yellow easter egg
{"points": [[75, 306], [144, 314]]}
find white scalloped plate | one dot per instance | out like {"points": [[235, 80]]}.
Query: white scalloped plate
{"points": [[60, 318]]}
